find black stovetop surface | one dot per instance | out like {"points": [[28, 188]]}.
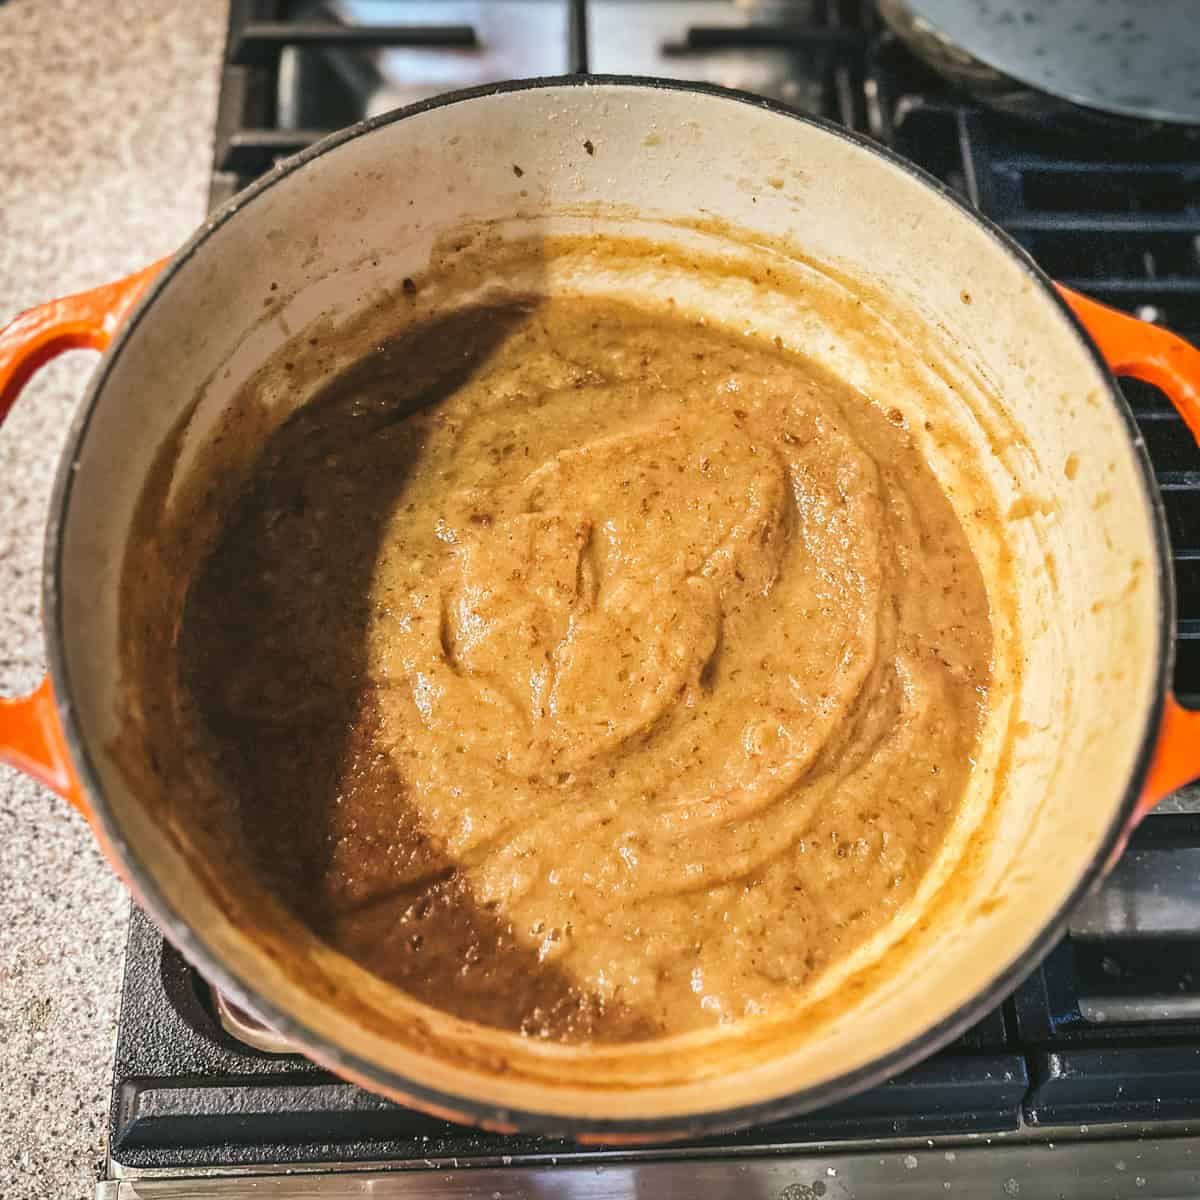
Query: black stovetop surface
{"points": [[1107, 1029]]}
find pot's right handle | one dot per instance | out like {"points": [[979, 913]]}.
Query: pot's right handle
{"points": [[1154, 355], [31, 737]]}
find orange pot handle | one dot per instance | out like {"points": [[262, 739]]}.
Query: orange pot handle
{"points": [[1146, 352], [31, 737]]}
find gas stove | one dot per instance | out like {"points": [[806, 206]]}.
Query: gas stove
{"points": [[1086, 1081]]}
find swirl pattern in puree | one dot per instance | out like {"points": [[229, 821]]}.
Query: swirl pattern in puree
{"points": [[669, 661]]}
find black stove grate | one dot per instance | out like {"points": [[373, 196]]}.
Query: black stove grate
{"points": [[1108, 1029]]}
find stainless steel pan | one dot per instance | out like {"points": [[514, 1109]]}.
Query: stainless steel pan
{"points": [[1092, 62]]}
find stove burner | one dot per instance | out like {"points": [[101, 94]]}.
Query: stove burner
{"points": [[247, 1028]]}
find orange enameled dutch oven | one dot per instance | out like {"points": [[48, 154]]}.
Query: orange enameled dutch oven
{"points": [[1084, 736]]}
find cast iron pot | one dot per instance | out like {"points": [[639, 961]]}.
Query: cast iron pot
{"points": [[1084, 736]]}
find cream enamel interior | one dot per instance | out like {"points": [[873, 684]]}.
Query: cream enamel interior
{"points": [[959, 320]]}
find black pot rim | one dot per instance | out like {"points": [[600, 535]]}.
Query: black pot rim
{"points": [[242, 991]]}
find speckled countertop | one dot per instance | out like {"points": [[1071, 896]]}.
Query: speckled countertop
{"points": [[106, 120]]}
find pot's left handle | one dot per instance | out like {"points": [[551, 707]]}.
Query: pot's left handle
{"points": [[1154, 355], [31, 738]]}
